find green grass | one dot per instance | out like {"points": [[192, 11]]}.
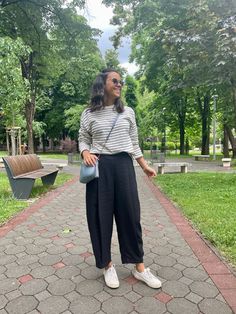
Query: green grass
{"points": [[208, 200], [9, 206], [43, 155], [52, 156], [3, 153]]}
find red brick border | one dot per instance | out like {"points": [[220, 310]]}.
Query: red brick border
{"points": [[23, 216], [219, 272]]}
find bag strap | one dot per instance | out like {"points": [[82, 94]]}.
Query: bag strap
{"points": [[113, 125]]}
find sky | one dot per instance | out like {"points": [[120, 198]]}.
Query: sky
{"points": [[98, 16]]}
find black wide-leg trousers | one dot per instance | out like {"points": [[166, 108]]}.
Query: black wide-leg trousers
{"points": [[114, 194]]}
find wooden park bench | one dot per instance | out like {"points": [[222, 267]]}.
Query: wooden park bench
{"points": [[201, 157], [23, 170], [183, 166]]}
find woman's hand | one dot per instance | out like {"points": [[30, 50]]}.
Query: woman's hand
{"points": [[150, 172], [89, 159]]}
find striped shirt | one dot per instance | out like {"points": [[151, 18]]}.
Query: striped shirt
{"points": [[95, 126]]}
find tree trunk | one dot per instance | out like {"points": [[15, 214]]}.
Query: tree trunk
{"points": [[232, 140], [226, 143], [204, 108], [181, 117], [29, 114], [28, 72], [44, 143], [233, 83], [182, 135]]}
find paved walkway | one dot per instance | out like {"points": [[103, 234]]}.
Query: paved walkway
{"points": [[47, 265]]}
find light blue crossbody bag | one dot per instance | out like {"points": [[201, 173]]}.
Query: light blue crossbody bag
{"points": [[88, 173]]}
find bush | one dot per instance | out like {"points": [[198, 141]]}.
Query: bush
{"points": [[68, 146]]}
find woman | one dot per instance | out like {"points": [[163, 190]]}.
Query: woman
{"points": [[114, 193]]}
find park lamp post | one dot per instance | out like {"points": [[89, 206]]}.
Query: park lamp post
{"points": [[215, 97]]}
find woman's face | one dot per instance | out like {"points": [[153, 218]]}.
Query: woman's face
{"points": [[113, 85]]}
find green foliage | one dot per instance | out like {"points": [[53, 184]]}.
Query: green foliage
{"points": [[14, 89], [73, 115], [130, 92], [208, 201], [112, 61]]}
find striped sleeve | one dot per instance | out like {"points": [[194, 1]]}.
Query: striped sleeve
{"points": [[134, 136], [85, 138]]}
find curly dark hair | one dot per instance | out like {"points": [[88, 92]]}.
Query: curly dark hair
{"points": [[97, 93]]}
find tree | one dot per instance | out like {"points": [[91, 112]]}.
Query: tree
{"points": [[183, 44], [13, 88], [112, 61], [131, 92], [34, 22]]}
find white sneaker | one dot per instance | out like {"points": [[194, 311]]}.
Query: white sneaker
{"points": [[147, 277], [111, 278]]}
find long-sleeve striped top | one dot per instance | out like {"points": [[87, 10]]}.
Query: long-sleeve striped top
{"points": [[95, 126]]}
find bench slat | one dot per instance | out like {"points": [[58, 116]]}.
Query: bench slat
{"points": [[36, 174], [23, 164]]}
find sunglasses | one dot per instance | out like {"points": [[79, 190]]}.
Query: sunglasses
{"points": [[116, 82]]}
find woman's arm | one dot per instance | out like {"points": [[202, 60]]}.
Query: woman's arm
{"points": [[150, 172]]}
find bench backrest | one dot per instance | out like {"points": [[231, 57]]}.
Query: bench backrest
{"points": [[22, 164]]}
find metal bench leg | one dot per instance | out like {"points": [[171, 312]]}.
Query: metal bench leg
{"points": [[184, 169], [161, 169], [49, 179], [22, 188]]}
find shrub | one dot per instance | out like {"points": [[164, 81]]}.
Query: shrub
{"points": [[68, 146]]}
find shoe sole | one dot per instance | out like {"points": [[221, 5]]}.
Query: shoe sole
{"points": [[141, 279], [112, 286]]}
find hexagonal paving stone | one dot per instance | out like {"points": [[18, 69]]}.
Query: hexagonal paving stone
{"points": [[42, 271], [195, 274], [73, 260], [85, 305], [204, 289], [188, 261], [165, 260], [61, 287], [92, 272], [7, 285], [3, 301], [123, 289], [33, 286], [27, 260], [33, 249], [102, 296], [181, 306], [14, 249], [50, 260], [142, 289], [22, 305], [160, 250], [68, 272], [169, 273], [53, 305], [117, 305], [7, 259], [212, 306], [2, 269], [149, 305], [56, 249], [89, 287], [175, 288]]}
